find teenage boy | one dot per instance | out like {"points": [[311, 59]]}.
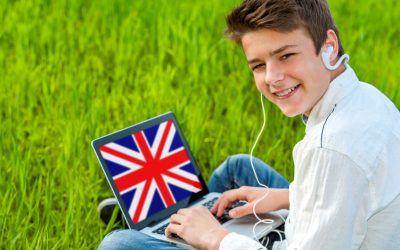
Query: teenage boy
{"points": [[345, 192]]}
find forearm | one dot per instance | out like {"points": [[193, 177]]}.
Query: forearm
{"points": [[282, 198]]}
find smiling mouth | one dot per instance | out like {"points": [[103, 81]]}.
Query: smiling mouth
{"points": [[286, 92]]}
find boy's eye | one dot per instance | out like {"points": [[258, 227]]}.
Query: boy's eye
{"points": [[287, 56], [257, 66]]}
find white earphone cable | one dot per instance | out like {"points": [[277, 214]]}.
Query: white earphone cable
{"points": [[264, 221]]}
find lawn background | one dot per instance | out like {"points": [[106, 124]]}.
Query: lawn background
{"points": [[71, 71]]}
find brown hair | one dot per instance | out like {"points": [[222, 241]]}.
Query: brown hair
{"points": [[283, 16]]}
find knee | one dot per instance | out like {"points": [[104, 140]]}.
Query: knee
{"points": [[230, 165], [238, 160], [121, 239], [234, 162], [225, 176]]}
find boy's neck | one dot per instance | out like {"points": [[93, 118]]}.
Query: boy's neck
{"points": [[335, 73]]}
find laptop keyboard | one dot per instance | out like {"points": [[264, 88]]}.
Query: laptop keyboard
{"points": [[224, 218]]}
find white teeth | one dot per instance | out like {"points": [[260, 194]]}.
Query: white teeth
{"points": [[285, 92]]}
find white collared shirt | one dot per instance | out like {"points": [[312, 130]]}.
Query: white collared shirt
{"points": [[346, 188]]}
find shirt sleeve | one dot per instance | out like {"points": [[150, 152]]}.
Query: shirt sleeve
{"points": [[234, 241], [330, 198]]}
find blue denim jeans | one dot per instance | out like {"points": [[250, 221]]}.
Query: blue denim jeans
{"points": [[234, 172]]}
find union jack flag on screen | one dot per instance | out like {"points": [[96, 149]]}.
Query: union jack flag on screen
{"points": [[151, 170]]}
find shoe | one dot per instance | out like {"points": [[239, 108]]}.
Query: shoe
{"points": [[106, 208]]}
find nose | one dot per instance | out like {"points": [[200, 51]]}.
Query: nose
{"points": [[273, 74]]}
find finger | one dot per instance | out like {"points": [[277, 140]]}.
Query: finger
{"points": [[215, 206], [225, 201], [229, 197], [241, 211], [184, 211], [172, 229], [176, 219]]}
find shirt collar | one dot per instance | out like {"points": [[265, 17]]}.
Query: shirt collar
{"points": [[339, 88]]}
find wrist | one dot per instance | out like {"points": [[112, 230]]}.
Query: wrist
{"points": [[216, 238]]}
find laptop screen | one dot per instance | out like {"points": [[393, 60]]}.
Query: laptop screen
{"points": [[150, 169]]}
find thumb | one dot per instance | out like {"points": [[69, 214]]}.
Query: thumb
{"points": [[241, 211]]}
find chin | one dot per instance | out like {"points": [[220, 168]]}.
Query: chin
{"points": [[291, 113]]}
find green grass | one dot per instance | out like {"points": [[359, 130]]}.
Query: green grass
{"points": [[71, 71]]}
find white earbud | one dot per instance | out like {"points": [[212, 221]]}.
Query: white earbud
{"points": [[326, 58]]}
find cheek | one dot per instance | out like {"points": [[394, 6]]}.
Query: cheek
{"points": [[263, 88], [259, 80]]}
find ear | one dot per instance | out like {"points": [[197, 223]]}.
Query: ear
{"points": [[331, 40]]}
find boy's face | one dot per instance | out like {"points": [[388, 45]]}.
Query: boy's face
{"points": [[286, 69]]}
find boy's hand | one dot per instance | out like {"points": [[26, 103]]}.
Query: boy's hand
{"points": [[275, 200], [198, 227]]}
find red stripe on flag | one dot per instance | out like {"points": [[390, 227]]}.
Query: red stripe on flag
{"points": [[144, 147], [121, 155], [193, 183], [164, 191], [163, 139], [174, 160], [143, 197], [132, 179]]}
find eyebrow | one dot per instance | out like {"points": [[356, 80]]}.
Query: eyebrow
{"points": [[272, 53]]}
